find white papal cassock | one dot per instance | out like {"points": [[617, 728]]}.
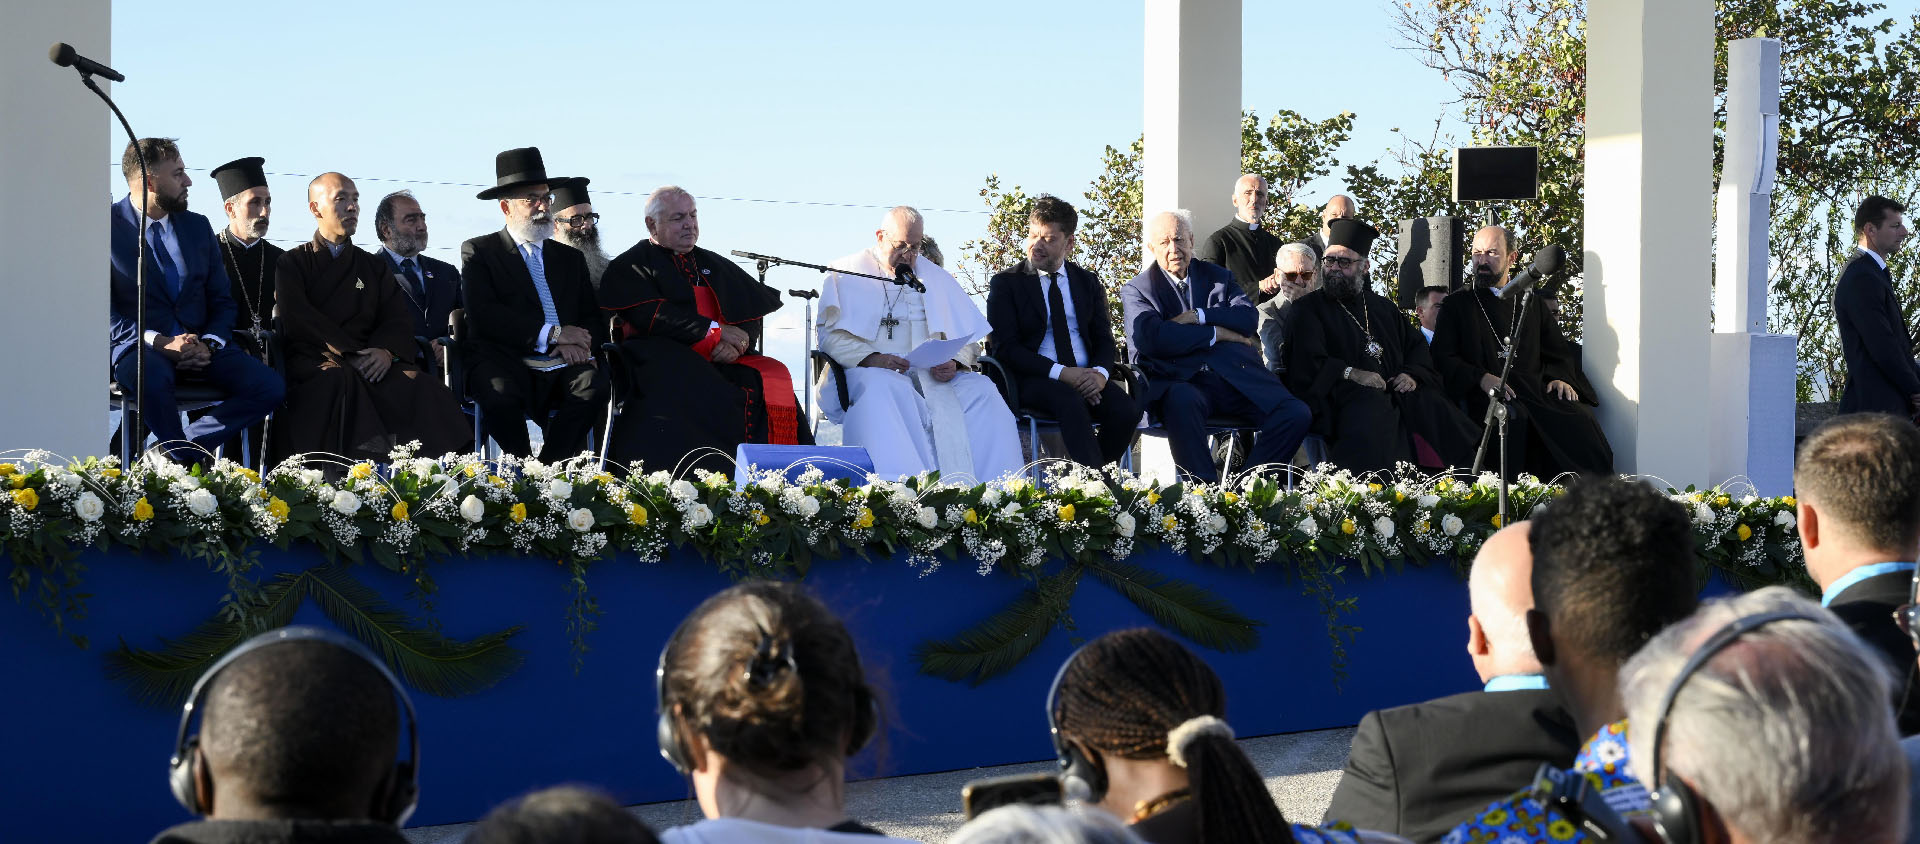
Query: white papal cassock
{"points": [[906, 422]]}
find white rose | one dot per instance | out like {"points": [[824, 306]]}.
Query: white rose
{"points": [[991, 497], [683, 490], [771, 483], [473, 509], [1011, 511], [699, 515], [311, 476], [1094, 488], [1124, 524], [559, 490], [188, 482], [1216, 523], [1308, 526], [928, 518], [580, 520], [809, 506], [202, 502], [659, 477], [1427, 501], [1784, 518], [1451, 525], [346, 503], [1384, 527], [89, 507], [1702, 513], [68, 480]]}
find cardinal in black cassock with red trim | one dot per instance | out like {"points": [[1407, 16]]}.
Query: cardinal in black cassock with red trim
{"points": [[689, 325], [1364, 370]]}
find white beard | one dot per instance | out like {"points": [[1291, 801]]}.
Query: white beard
{"points": [[531, 232]]}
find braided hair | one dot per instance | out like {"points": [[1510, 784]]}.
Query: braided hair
{"points": [[1122, 695], [770, 677]]}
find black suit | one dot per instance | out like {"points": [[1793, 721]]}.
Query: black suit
{"points": [[505, 318], [1017, 308], [443, 296], [1419, 770], [1881, 374], [1867, 607]]}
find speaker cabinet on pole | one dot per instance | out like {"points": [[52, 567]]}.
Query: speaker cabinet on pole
{"points": [[1432, 254]]}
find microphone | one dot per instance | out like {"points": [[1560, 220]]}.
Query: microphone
{"points": [[903, 274], [1546, 262], [753, 256], [63, 55]]}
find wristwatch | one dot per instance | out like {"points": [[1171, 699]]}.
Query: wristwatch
{"points": [[552, 335], [1347, 375]]}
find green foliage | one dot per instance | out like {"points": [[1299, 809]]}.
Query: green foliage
{"points": [[997, 644]]}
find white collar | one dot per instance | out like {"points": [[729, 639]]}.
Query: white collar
{"points": [[1042, 274], [1876, 257], [397, 257], [1252, 227]]}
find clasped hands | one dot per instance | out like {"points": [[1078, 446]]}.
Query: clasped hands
{"points": [[1086, 381], [1402, 383], [1220, 334], [187, 351], [733, 344], [572, 344]]}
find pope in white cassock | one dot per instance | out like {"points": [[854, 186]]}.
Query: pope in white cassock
{"points": [[906, 416]]}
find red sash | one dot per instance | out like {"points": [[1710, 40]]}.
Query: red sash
{"points": [[776, 385]]}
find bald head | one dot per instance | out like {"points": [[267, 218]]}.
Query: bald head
{"points": [[335, 204], [1250, 198], [1500, 592]]}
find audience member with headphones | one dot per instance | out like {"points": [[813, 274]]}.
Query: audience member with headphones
{"points": [[761, 699], [1138, 725], [299, 727]]}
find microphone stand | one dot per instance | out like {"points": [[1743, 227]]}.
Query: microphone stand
{"points": [[133, 434], [806, 335], [771, 261], [1497, 406]]}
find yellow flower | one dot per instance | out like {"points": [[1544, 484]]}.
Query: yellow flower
{"points": [[361, 471], [603, 479], [637, 514], [472, 469], [1496, 520], [864, 520], [110, 472], [1374, 487], [1170, 524], [265, 494], [1445, 483], [278, 509], [1788, 501], [763, 518], [399, 511], [496, 480], [1399, 496], [972, 517], [26, 498], [247, 473], [1230, 498], [518, 513], [1745, 533], [1346, 527], [1722, 501], [16, 481], [1152, 498], [8, 470], [1066, 512], [142, 511]]}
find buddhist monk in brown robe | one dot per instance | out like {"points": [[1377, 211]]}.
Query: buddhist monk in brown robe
{"points": [[350, 387]]}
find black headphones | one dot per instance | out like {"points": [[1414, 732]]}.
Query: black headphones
{"points": [[1081, 778], [866, 709], [395, 802], [1675, 806]]}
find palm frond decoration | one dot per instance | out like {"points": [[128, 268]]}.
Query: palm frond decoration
{"points": [[424, 659], [994, 646], [1186, 609], [166, 676]]}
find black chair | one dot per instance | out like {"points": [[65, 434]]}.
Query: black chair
{"points": [[1217, 425], [619, 385], [1037, 420], [190, 398], [825, 362], [458, 340]]}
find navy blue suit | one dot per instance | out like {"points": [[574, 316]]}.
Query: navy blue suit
{"points": [[442, 281], [1191, 377], [1881, 373], [204, 306]]}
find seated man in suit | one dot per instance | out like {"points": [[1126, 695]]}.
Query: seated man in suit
{"points": [[1191, 330], [1874, 337], [189, 310], [534, 319], [1858, 482], [431, 287], [1417, 770], [1051, 329]]}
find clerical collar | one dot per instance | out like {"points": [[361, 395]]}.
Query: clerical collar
{"points": [[1876, 257], [1252, 227]]}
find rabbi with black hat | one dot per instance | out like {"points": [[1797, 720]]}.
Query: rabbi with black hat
{"points": [[533, 318], [576, 224], [1364, 369]]}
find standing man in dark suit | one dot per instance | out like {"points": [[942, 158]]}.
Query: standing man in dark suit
{"points": [[1858, 514], [431, 287], [1051, 329], [1881, 373], [535, 322], [1417, 770], [189, 310], [1191, 330]]}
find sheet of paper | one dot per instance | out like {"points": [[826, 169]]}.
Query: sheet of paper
{"points": [[935, 352]]}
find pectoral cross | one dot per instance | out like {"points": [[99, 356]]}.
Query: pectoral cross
{"points": [[889, 322]]}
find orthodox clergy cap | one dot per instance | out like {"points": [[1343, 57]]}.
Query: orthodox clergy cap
{"points": [[570, 191], [240, 174], [1352, 234], [517, 167]]}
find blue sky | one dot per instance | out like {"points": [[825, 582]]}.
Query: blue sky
{"points": [[796, 123]]}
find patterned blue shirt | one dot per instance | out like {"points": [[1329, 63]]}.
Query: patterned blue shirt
{"points": [[1526, 817]]}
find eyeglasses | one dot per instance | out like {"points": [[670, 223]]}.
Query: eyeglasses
{"points": [[1907, 616], [579, 221], [543, 199], [1299, 276], [1338, 261]]}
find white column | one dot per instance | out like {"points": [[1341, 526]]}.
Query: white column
{"points": [[53, 230], [1649, 229], [1753, 371], [1192, 109]]}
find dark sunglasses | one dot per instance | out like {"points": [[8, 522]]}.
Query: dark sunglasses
{"points": [[1300, 276]]}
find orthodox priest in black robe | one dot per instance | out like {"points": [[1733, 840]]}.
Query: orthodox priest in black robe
{"points": [[251, 263], [351, 388], [1365, 372], [689, 333], [1242, 246], [1549, 430]]}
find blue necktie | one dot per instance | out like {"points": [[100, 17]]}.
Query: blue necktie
{"points": [[157, 244], [413, 276], [536, 265]]}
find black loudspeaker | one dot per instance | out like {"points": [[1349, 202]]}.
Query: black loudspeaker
{"points": [[1483, 173], [1432, 254]]}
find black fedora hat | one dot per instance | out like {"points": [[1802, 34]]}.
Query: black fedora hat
{"points": [[517, 167]]}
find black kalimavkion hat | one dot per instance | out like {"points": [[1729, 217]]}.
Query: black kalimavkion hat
{"points": [[517, 167], [570, 191], [1352, 234], [240, 174]]}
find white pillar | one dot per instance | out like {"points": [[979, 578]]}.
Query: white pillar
{"points": [[1648, 231], [1192, 109], [53, 230], [1753, 371]]}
